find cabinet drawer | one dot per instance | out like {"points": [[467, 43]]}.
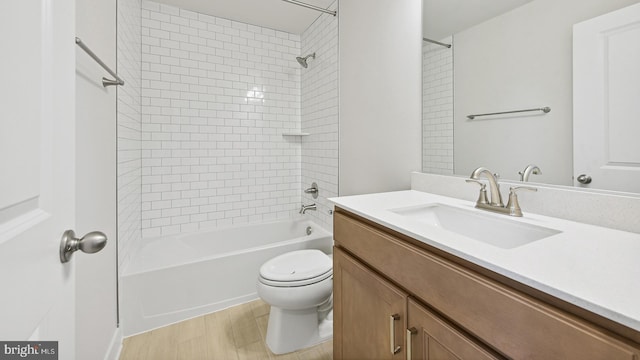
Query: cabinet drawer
{"points": [[513, 323]]}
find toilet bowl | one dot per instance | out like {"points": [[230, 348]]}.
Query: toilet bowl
{"points": [[298, 285]]}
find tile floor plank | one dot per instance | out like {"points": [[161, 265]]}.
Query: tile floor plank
{"points": [[135, 347], [236, 333], [162, 344], [194, 349], [263, 322], [253, 351], [219, 336], [242, 315], [189, 329], [259, 308], [327, 350]]}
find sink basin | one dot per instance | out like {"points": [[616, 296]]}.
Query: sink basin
{"points": [[496, 230]]}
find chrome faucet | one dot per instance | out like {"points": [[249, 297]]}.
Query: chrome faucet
{"points": [[496, 205], [496, 197], [530, 169], [304, 208]]}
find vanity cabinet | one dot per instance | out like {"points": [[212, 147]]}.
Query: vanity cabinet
{"points": [[447, 307]]}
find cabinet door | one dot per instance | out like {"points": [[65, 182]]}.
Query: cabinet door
{"points": [[369, 312], [431, 338]]}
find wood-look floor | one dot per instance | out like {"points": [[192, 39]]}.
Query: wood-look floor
{"points": [[236, 333]]}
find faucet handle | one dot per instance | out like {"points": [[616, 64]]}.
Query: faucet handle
{"points": [[313, 190], [482, 185], [513, 189], [513, 205], [482, 197]]}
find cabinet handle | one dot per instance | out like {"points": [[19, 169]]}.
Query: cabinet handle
{"points": [[392, 332], [410, 333]]}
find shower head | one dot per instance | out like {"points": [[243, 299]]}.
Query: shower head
{"points": [[303, 60]]}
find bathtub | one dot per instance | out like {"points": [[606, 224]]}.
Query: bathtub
{"points": [[174, 278]]}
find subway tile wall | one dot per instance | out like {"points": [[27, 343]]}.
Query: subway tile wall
{"points": [[129, 129], [216, 97], [437, 108], [320, 115]]}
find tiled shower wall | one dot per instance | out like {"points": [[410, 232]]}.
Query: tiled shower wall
{"points": [[437, 108], [320, 115], [129, 129], [216, 97]]}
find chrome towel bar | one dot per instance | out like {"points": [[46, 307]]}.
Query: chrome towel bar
{"points": [[105, 82], [309, 6], [545, 109], [436, 42]]}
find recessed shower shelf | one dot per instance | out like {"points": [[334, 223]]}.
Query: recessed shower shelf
{"points": [[295, 134]]}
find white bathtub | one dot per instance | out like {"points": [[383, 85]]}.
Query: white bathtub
{"points": [[174, 278]]}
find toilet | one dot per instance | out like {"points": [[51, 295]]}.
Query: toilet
{"points": [[298, 285]]}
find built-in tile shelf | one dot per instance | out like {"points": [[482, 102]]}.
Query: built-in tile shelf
{"points": [[296, 134]]}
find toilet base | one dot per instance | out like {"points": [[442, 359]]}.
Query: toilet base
{"points": [[291, 330]]}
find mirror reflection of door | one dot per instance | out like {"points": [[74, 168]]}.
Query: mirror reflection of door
{"points": [[606, 104]]}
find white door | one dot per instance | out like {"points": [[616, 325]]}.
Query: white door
{"points": [[606, 100], [36, 171]]}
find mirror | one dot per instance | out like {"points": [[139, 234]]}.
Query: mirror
{"points": [[511, 56]]}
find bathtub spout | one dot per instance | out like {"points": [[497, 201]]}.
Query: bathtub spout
{"points": [[304, 208]]}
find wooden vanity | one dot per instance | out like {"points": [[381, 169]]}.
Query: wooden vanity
{"points": [[396, 297]]}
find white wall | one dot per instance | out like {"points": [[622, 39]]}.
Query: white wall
{"points": [[319, 87], [380, 51], [216, 97], [96, 275], [519, 60], [437, 108]]}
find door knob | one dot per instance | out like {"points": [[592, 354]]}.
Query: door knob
{"points": [[584, 179], [90, 243]]}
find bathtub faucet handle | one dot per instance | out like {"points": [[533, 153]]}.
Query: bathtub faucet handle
{"points": [[313, 190], [304, 208]]}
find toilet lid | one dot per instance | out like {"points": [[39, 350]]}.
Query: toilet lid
{"points": [[297, 265]]}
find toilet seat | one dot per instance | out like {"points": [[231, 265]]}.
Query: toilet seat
{"points": [[296, 283], [296, 268]]}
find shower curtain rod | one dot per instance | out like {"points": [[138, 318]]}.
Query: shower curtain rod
{"points": [[436, 42], [309, 6]]}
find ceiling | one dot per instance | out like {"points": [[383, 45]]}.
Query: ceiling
{"points": [[441, 17], [273, 14]]}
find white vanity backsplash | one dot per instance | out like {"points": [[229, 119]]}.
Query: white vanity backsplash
{"points": [[619, 211]]}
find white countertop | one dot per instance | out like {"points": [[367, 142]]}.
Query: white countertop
{"points": [[593, 267]]}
